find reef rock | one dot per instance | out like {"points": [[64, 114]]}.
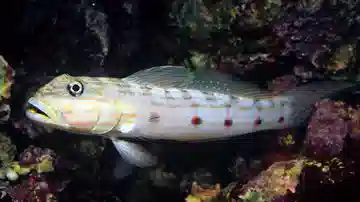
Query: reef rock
{"points": [[7, 79], [327, 129], [7, 149], [277, 181]]}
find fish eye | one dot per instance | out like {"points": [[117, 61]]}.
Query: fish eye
{"points": [[75, 88]]}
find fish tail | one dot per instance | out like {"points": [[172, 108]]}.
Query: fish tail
{"points": [[305, 96], [323, 89]]}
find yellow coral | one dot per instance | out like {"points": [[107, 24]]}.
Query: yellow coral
{"points": [[20, 170], [293, 171], [199, 194], [234, 12], [50, 197], [341, 58], [45, 165], [287, 140], [325, 169], [192, 198]]}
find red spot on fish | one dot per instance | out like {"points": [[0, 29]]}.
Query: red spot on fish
{"points": [[228, 122], [257, 121], [281, 119], [196, 120], [195, 105]]}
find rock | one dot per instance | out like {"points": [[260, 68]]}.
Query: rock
{"points": [[239, 168], [278, 180], [11, 175], [309, 36], [64, 36], [199, 194], [7, 149], [161, 178], [327, 129], [7, 79]]}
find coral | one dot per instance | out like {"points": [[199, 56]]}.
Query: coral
{"points": [[278, 180], [199, 194], [200, 18], [36, 188], [34, 155], [202, 186], [12, 171], [287, 140], [313, 37], [331, 171], [6, 81], [306, 34], [252, 196], [329, 126], [6, 74], [341, 58], [260, 34], [7, 149], [32, 159], [327, 129], [353, 122]]}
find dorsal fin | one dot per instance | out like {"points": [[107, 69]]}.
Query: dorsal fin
{"points": [[202, 80], [161, 76]]}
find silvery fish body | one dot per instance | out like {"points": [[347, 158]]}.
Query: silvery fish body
{"points": [[170, 103]]}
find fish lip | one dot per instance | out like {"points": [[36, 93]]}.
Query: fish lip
{"points": [[38, 111]]}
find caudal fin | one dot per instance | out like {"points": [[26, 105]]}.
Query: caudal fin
{"points": [[305, 96]]}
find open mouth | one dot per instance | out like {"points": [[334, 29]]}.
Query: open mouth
{"points": [[35, 110]]}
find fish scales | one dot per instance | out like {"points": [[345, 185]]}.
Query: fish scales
{"points": [[171, 103]]}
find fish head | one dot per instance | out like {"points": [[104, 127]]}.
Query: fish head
{"points": [[73, 104]]}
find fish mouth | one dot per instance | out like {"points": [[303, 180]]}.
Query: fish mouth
{"points": [[34, 110], [38, 111]]}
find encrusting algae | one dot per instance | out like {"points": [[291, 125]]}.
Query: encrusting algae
{"points": [[279, 179], [7, 149], [199, 194], [11, 170]]}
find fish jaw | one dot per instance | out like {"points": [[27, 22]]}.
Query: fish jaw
{"points": [[39, 112], [84, 116]]}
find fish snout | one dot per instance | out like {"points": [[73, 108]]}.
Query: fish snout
{"points": [[39, 111]]}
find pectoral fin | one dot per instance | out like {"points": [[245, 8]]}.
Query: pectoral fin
{"points": [[134, 153]]}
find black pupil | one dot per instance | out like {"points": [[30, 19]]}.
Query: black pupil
{"points": [[76, 88]]}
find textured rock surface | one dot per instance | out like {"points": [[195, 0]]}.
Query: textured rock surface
{"points": [[327, 129]]}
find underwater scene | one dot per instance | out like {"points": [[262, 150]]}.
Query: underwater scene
{"points": [[180, 101]]}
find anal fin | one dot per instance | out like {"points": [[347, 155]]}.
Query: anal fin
{"points": [[134, 153]]}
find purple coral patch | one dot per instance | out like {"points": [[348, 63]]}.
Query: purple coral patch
{"points": [[327, 129]]}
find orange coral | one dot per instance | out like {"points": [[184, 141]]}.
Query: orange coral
{"points": [[199, 194]]}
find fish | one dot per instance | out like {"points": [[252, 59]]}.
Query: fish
{"points": [[171, 103]]}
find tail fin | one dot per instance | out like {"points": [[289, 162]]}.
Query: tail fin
{"points": [[305, 96]]}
